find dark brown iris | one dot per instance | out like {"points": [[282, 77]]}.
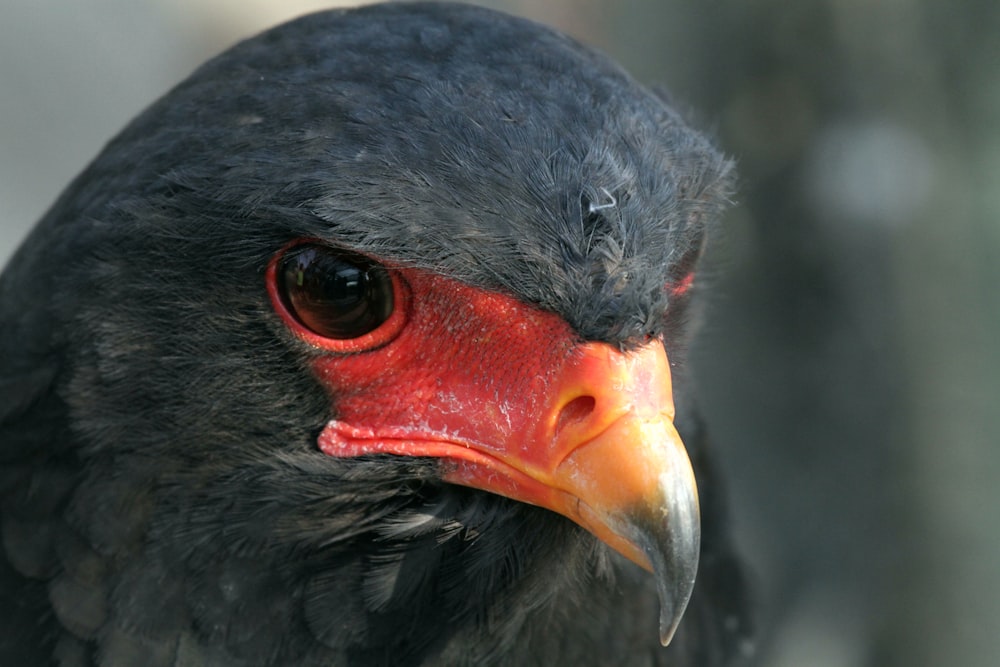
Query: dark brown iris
{"points": [[334, 293]]}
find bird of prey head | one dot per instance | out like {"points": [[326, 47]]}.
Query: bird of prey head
{"points": [[356, 349]]}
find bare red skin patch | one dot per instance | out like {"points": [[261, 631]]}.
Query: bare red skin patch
{"points": [[468, 367]]}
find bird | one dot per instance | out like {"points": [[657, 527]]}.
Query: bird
{"points": [[364, 345]]}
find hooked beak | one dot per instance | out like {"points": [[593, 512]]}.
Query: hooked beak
{"points": [[605, 453]]}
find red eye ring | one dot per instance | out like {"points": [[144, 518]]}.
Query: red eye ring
{"points": [[381, 335]]}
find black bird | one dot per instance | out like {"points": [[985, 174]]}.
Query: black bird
{"points": [[353, 350]]}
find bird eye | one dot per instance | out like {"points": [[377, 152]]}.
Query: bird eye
{"points": [[334, 293]]}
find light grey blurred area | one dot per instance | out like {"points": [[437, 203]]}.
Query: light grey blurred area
{"points": [[849, 357], [70, 77], [72, 74]]}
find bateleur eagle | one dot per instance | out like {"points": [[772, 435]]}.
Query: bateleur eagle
{"points": [[356, 349]]}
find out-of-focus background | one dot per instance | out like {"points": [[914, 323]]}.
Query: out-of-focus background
{"points": [[848, 362]]}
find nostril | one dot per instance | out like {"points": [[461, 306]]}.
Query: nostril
{"points": [[575, 411]]}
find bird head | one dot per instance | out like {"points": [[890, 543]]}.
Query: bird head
{"points": [[376, 279]]}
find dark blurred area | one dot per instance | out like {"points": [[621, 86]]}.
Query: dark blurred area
{"points": [[848, 359]]}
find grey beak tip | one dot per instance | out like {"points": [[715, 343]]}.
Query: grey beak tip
{"points": [[668, 626], [672, 605], [673, 549]]}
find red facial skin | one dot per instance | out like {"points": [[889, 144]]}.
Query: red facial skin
{"points": [[510, 401]]}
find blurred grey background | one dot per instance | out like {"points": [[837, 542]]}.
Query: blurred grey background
{"points": [[848, 362]]}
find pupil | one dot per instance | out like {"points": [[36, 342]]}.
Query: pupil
{"points": [[345, 286]]}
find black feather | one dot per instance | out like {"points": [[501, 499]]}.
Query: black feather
{"points": [[162, 498]]}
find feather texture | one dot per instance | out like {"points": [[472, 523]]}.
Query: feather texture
{"points": [[162, 498]]}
